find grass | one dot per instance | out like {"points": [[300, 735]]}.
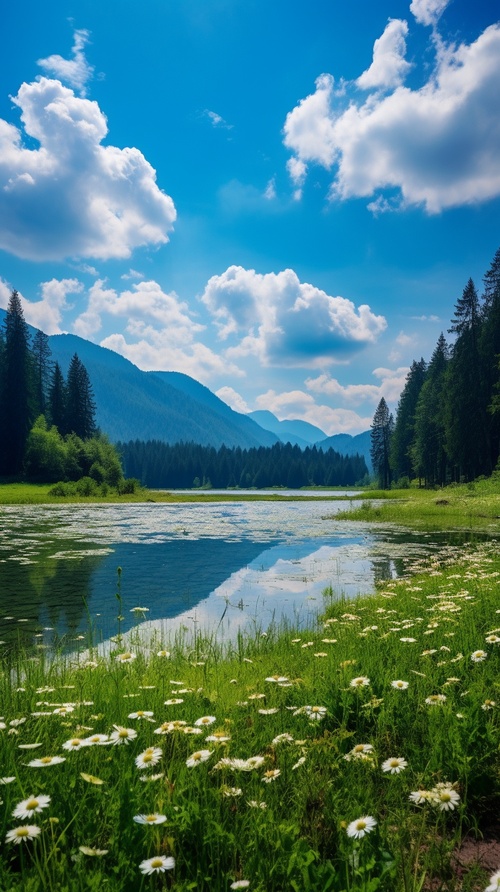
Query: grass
{"points": [[39, 494], [468, 506], [319, 709]]}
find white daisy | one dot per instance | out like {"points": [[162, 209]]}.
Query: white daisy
{"points": [[29, 806], [122, 735], [478, 656], [359, 828], [149, 758], [76, 743], [125, 658], [205, 720], [494, 883], [150, 819], [198, 757], [157, 864], [45, 761], [22, 834], [394, 765], [271, 775], [399, 685], [360, 681]]}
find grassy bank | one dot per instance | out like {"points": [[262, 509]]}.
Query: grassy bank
{"points": [[40, 494], [468, 506], [358, 755]]}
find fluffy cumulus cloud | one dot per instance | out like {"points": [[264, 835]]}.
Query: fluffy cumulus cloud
{"points": [[283, 321], [71, 196], [46, 313], [435, 146], [75, 71], [391, 384], [157, 330], [427, 12], [298, 404], [233, 399]]}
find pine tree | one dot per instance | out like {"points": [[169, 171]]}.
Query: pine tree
{"points": [[467, 396], [382, 428], [402, 463], [428, 448], [41, 353], [17, 396], [80, 404], [57, 400]]}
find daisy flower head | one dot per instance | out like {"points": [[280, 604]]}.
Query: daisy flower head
{"points": [[29, 806], [271, 775], [492, 639], [93, 853], [198, 757], [45, 761], [122, 735], [22, 834], [359, 828], [488, 704], [399, 685], [494, 883], [315, 713], [150, 757], [75, 743], [240, 884], [157, 864], [218, 737], [276, 678], [150, 819], [478, 656], [435, 699], [141, 714], [97, 739], [361, 681], [205, 720], [394, 765], [419, 797], [174, 701], [126, 657], [163, 653], [444, 797]]}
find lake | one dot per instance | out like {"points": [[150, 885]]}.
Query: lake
{"points": [[207, 566]]}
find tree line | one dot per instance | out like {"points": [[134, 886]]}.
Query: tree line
{"points": [[47, 423], [184, 465], [447, 425]]}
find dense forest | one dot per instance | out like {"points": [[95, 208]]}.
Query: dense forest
{"points": [[447, 425], [185, 465], [47, 422]]}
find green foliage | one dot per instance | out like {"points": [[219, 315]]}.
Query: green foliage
{"points": [[422, 629], [187, 465], [382, 430]]}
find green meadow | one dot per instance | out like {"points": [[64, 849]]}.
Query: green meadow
{"points": [[358, 754]]}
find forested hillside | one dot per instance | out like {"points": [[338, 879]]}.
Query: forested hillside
{"points": [[185, 465]]}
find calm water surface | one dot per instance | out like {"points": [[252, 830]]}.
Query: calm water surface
{"points": [[204, 565]]}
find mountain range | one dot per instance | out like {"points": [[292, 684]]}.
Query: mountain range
{"points": [[172, 407]]}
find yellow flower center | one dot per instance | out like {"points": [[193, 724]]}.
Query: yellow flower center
{"points": [[156, 862], [22, 831], [46, 760], [151, 819], [123, 732], [32, 803], [360, 825], [147, 757]]}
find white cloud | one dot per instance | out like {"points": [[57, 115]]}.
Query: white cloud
{"points": [[72, 196], [297, 404], [217, 120], [391, 384], [155, 352], [45, 314], [427, 12], [233, 399], [285, 322], [76, 71], [438, 146], [270, 190], [425, 318], [146, 304], [389, 67]]}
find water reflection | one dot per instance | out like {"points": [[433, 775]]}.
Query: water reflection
{"points": [[208, 566]]}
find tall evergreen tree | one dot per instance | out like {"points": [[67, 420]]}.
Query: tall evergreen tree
{"points": [[80, 404], [41, 353], [382, 428], [402, 463], [57, 400], [489, 348], [467, 397], [428, 447], [16, 390]]}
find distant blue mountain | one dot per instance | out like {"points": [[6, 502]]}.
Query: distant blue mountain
{"points": [[294, 431], [347, 444], [136, 405]]}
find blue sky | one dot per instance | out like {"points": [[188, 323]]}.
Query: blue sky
{"points": [[282, 199]]}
